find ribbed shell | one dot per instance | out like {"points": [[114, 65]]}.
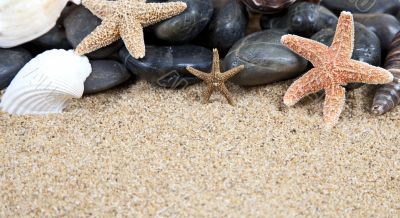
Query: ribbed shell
{"points": [[388, 96], [24, 20], [46, 83]]}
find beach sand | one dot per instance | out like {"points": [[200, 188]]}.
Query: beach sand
{"points": [[147, 151]]}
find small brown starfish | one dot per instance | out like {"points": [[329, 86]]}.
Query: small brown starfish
{"points": [[126, 19], [333, 68], [216, 79]]}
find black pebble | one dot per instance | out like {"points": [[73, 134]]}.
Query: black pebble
{"points": [[105, 75], [11, 61], [165, 66], [80, 23]]}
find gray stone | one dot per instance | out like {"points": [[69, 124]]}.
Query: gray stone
{"points": [[385, 26], [265, 59], [363, 6], [11, 61], [303, 19], [165, 66], [188, 25], [80, 23], [105, 75], [54, 39], [227, 26], [219, 3]]}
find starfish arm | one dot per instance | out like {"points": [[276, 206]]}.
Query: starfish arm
{"points": [[103, 35], [207, 93], [100, 8], [343, 41], [307, 48], [353, 71], [230, 73], [215, 64], [307, 84], [225, 92], [198, 73], [132, 34], [334, 104], [155, 12]]}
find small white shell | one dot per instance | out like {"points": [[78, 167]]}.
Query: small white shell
{"points": [[24, 20], [46, 83]]}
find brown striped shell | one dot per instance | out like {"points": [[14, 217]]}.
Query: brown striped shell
{"points": [[388, 96], [270, 6]]}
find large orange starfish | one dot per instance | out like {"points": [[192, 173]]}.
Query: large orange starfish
{"points": [[333, 68]]}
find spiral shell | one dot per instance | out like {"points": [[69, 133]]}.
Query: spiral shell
{"points": [[270, 6], [46, 83], [388, 96]]}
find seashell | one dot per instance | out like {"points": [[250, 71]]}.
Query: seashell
{"points": [[46, 83], [387, 96], [267, 6], [270, 6], [22, 21]]}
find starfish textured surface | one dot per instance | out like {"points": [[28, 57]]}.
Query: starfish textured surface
{"points": [[333, 68], [216, 80], [125, 19]]}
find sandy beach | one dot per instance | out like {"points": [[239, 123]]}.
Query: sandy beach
{"points": [[147, 151]]}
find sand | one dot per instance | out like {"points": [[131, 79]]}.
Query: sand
{"points": [[141, 151]]}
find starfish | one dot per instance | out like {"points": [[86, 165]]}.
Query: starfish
{"points": [[125, 19], [216, 79], [333, 68]]}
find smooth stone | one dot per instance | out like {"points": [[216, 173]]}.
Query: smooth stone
{"points": [[385, 26], [176, 81], [66, 11], [55, 38], [165, 66], [106, 74], [11, 61], [265, 59], [254, 23], [227, 26], [220, 3], [367, 47], [363, 6], [187, 25], [302, 18], [80, 23]]}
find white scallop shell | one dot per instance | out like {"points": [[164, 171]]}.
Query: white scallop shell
{"points": [[46, 83], [24, 20]]}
